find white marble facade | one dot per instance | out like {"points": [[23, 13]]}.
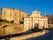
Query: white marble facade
{"points": [[35, 17]]}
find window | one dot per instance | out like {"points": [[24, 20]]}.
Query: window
{"points": [[21, 22], [15, 14], [51, 21], [11, 13], [4, 14]]}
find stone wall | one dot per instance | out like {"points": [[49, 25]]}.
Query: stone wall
{"points": [[10, 29], [7, 14], [13, 14]]}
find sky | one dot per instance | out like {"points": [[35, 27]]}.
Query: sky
{"points": [[44, 6]]}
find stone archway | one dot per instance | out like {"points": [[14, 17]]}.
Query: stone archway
{"points": [[36, 25]]}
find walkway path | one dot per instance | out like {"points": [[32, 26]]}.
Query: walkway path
{"points": [[36, 34]]}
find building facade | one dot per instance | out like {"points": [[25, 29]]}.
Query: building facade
{"points": [[7, 14], [50, 21], [13, 15], [0, 15], [35, 18]]}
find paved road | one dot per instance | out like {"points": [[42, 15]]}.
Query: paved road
{"points": [[48, 36], [35, 34]]}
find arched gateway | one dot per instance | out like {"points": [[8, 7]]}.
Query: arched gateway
{"points": [[36, 19]]}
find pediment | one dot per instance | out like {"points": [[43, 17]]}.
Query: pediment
{"points": [[35, 14]]}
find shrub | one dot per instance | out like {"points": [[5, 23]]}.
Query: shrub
{"points": [[4, 20], [12, 22], [0, 20]]}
